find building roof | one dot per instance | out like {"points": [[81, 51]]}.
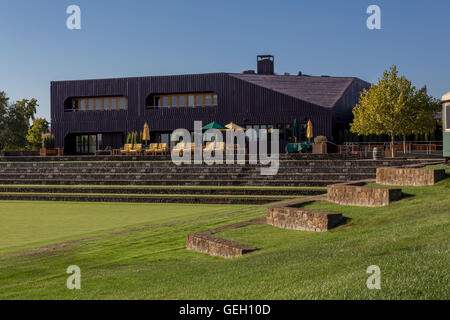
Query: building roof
{"points": [[323, 91]]}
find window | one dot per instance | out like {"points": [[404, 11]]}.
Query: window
{"points": [[199, 100], [91, 104], [208, 100], [107, 104], [181, 100], [165, 101], [447, 117], [99, 104], [191, 101], [174, 101], [113, 104], [96, 104]]}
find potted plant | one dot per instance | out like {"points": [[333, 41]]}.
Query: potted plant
{"points": [[48, 146], [320, 145]]}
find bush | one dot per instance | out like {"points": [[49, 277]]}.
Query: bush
{"points": [[48, 142], [320, 139]]}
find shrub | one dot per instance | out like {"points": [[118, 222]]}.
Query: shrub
{"points": [[48, 142], [320, 139]]}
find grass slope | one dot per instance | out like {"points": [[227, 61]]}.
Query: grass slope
{"points": [[409, 241]]}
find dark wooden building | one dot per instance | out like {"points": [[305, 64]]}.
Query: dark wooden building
{"points": [[91, 114]]}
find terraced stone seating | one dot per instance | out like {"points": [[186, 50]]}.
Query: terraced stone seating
{"points": [[163, 181], [290, 173]]}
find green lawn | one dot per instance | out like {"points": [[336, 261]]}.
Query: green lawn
{"points": [[409, 241], [29, 224]]}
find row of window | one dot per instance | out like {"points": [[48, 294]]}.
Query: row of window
{"points": [[98, 104], [183, 100]]}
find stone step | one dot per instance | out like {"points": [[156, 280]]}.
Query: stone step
{"points": [[140, 199], [169, 164], [206, 170], [188, 176], [193, 182], [163, 190]]}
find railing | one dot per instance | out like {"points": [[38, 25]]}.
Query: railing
{"points": [[365, 149]]}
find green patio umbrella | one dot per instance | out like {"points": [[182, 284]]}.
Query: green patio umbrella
{"points": [[214, 125], [295, 130]]}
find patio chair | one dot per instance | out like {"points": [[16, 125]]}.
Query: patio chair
{"points": [[162, 148], [152, 148], [137, 148], [126, 148]]}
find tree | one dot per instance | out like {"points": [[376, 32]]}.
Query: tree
{"points": [[34, 137], [3, 113], [394, 106], [18, 120]]}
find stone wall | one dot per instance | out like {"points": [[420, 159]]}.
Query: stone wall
{"points": [[216, 247], [204, 242], [409, 176], [354, 194], [290, 217]]}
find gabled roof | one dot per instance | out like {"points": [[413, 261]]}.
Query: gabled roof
{"points": [[322, 91]]}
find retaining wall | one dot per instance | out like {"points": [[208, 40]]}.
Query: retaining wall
{"points": [[294, 218], [354, 194], [409, 176]]}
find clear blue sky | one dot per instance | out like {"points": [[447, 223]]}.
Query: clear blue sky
{"points": [[161, 37]]}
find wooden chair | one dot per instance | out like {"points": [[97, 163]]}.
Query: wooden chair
{"points": [[126, 148], [137, 148], [161, 148], [152, 149]]}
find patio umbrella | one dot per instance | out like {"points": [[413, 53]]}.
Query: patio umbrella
{"points": [[146, 133], [309, 131], [234, 126], [295, 130], [214, 125]]}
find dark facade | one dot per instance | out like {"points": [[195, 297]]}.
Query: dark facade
{"points": [[247, 99]]}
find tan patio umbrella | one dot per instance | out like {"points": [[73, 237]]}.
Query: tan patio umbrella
{"points": [[234, 126], [146, 133], [309, 131]]}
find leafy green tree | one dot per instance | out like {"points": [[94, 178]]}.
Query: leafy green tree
{"points": [[3, 116], [18, 118], [34, 137], [394, 106]]}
